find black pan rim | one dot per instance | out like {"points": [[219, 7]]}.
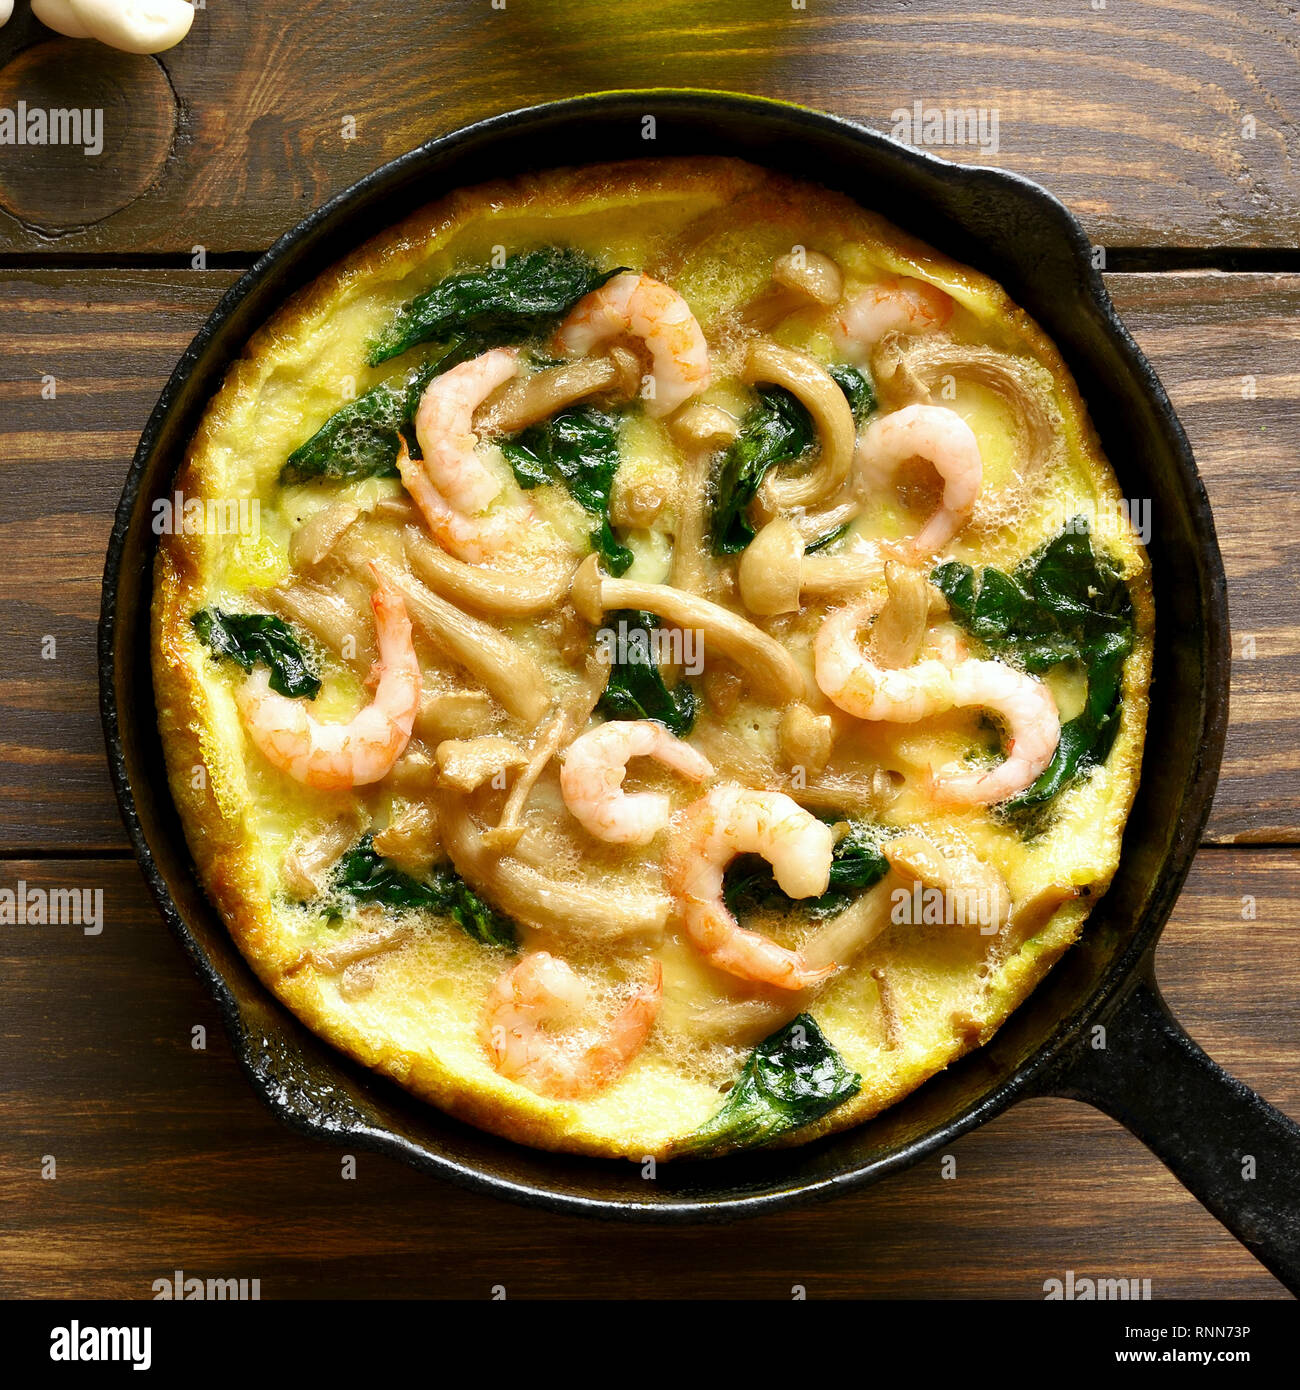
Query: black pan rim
{"points": [[1028, 1078]]}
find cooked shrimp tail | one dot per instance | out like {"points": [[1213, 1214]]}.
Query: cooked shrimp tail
{"points": [[732, 820], [638, 306], [334, 756], [532, 1007], [941, 437], [897, 304], [858, 685], [453, 485], [591, 779]]}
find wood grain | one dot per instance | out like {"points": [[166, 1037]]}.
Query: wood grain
{"points": [[110, 338], [165, 1158], [1160, 122]]}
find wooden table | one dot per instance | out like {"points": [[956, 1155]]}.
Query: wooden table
{"points": [[1171, 127]]}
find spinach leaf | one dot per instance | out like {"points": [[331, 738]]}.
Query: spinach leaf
{"points": [[578, 447], [636, 688], [250, 638], [789, 1080], [856, 864], [1064, 602], [360, 439], [777, 430], [829, 538], [857, 388], [365, 876], [506, 303]]}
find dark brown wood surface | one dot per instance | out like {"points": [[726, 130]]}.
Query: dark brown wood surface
{"points": [[1171, 129]]}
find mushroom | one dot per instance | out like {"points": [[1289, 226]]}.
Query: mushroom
{"points": [[466, 763], [411, 839], [767, 661], [775, 570], [701, 430], [813, 386], [529, 399], [800, 280], [494, 659]]}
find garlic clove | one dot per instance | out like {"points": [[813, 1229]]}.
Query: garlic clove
{"points": [[136, 26], [58, 15]]}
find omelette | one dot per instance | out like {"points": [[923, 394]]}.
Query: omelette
{"points": [[651, 658]]}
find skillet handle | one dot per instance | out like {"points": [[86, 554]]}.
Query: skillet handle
{"points": [[1232, 1150]]}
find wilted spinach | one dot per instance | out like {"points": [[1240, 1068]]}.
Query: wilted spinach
{"points": [[857, 388], [578, 447], [856, 864], [789, 1080], [363, 875], [829, 538], [360, 439], [509, 303], [250, 638], [1064, 602], [777, 430], [636, 688]]}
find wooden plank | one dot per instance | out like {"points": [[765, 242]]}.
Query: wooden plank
{"points": [[1227, 350], [110, 338], [103, 344], [1158, 121], [166, 1160]]}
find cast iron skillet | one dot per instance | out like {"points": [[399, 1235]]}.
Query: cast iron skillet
{"points": [[1096, 1029]]}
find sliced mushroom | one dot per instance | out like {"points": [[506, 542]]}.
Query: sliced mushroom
{"points": [[570, 716], [499, 662], [810, 383], [800, 280], [772, 667], [701, 431], [527, 400], [899, 629], [315, 852], [453, 714], [487, 589], [806, 738], [336, 615], [467, 763], [313, 541], [583, 912], [410, 839]]}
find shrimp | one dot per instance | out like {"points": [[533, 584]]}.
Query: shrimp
{"points": [[453, 485], [654, 312], [593, 772], [1028, 710], [731, 820], [898, 304], [331, 757], [940, 436], [850, 679], [533, 1002]]}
